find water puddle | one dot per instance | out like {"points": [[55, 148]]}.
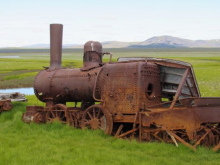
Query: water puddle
{"points": [[9, 56], [26, 91]]}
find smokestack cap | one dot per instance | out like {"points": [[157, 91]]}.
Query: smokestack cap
{"points": [[93, 46]]}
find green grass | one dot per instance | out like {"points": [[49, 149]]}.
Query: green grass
{"points": [[20, 72], [60, 144], [20, 76]]}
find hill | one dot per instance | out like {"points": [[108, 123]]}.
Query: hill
{"points": [[174, 42], [154, 42]]}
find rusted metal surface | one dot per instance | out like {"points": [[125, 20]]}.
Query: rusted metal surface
{"points": [[5, 105], [56, 34], [6, 100], [96, 117], [92, 57], [57, 113], [31, 112], [190, 123], [93, 46], [146, 98]]}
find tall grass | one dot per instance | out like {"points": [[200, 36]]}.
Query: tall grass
{"points": [[55, 143], [20, 76]]}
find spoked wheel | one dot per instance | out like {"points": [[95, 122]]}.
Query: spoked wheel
{"points": [[208, 136], [39, 118], [72, 119], [57, 113], [7, 106], [96, 117]]}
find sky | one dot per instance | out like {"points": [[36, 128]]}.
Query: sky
{"points": [[26, 22]]}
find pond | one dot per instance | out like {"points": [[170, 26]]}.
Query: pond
{"points": [[26, 91], [9, 56]]}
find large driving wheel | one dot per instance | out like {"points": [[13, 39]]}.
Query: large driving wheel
{"points": [[57, 113], [96, 117]]}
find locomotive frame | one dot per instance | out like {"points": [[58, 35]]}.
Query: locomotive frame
{"points": [[145, 98]]}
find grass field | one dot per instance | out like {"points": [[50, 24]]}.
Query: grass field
{"points": [[55, 143]]}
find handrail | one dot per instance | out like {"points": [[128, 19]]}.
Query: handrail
{"points": [[93, 95]]}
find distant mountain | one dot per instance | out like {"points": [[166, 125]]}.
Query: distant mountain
{"points": [[175, 42], [111, 44], [154, 42], [116, 44], [157, 45]]}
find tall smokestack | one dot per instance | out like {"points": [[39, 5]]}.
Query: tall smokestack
{"points": [[56, 34]]}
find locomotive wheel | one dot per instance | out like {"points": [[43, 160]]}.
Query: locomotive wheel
{"points": [[95, 117], [209, 139], [72, 120], [7, 106], [39, 118], [57, 113]]}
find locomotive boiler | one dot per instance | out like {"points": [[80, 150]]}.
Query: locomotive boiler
{"points": [[145, 98]]}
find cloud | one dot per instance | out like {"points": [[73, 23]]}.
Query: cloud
{"points": [[103, 26], [107, 18], [169, 31]]}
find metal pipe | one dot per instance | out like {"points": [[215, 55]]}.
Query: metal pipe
{"points": [[56, 34], [94, 88], [110, 59]]}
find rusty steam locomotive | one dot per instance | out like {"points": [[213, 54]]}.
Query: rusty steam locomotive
{"points": [[148, 98]]}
